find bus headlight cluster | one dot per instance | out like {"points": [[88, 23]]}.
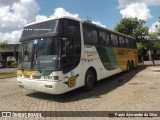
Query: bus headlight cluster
{"points": [[48, 77]]}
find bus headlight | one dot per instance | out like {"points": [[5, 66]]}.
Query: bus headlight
{"points": [[48, 77]]}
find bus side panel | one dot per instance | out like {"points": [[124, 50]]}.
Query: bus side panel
{"points": [[93, 57], [124, 55], [107, 57], [103, 59]]}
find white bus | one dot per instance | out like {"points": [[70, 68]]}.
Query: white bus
{"points": [[59, 55]]}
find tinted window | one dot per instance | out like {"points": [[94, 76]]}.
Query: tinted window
{"points": [[90, 34], [41, 28], [121, 41], [71, 27], [132, 43], [71, 53], [71, 45], [104, 38], [68, 50], [127, 43], [94, 36], [87, 35], [114, 39]]}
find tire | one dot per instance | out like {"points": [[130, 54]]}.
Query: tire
{"points": [[128, 66], [89, 80], [132, 65]]}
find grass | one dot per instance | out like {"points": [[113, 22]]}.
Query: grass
{"points": [[8, 75]]}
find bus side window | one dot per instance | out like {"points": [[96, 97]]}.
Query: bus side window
{"points": [[114, 39], [71, 27], [87, 35], [121, 41], [94, 36], [90, 35], [104, 38], [132, 43], [127, 42]]}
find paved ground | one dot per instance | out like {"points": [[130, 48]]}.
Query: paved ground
{"points": [[138, 90], [156, 62]]}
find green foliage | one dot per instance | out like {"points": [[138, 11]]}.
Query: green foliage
{"points": [[7, 75], [2, 44], [2, 60], [158, 32], [154, 41], [133, 27], [89, 19], [11, 64], [14, 64]]}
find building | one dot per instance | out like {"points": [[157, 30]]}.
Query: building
{"points": [[10, 50]]}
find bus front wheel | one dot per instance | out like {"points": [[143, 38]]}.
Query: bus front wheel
{"points": [[89, 80]]}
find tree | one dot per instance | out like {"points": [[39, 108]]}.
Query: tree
{"points": [[154, 41], [4, 43], [89, 19], [133, 27]]}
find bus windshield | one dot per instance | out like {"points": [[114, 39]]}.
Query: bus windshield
{"points": [[40, 54]]}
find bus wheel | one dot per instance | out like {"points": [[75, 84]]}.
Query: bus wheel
{"points": [[132, 65], [128, 66], [89, 80]]}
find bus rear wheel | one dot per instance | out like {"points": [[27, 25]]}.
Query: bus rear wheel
{"points": [[90, 80], [132, 65], [128, 66]]}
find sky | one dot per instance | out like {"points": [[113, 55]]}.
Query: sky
{"points": [[15, 14]]}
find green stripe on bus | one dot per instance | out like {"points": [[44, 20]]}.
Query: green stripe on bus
{"points": [[107, 57]]}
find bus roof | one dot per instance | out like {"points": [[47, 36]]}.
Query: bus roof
{"points": [[80, 20], [55, 18]]}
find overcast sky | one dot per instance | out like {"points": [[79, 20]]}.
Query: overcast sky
{"points": [[15, 14]]}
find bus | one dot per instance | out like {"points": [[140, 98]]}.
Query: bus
{"points": [[65, 53]]}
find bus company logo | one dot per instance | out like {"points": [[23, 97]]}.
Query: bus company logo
{"points": [[122, 52], [90, 53], [72, 81]]}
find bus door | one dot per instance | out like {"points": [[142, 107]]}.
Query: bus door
{"points": [[68, 61]]}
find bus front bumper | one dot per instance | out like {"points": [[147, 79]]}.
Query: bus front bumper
{"points": [[52, 87]]}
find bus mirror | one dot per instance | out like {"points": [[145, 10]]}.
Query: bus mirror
{"points": [[64, 43]]}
